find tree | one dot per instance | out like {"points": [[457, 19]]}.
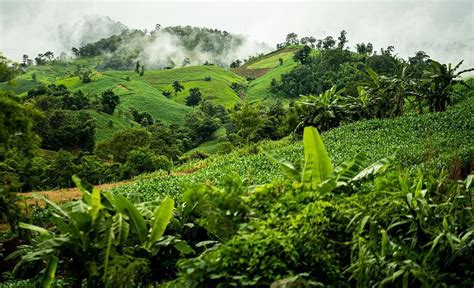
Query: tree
{"points": [[121, 143], [194, 97], [201, 126], [235, 64], [76, 101], [109, 102], [292, 39], [440, 84], [143, 160], [302, 55], [246, 125], [166, 93], [137, 67], [186, 62], [328, 42], [342, 40], [8, 69], [177, 88], [364, 49], [142, 71]]}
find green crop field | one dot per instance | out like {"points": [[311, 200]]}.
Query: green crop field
{"points": [[429, 140]]}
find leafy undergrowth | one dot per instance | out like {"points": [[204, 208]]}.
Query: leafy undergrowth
{"points": [[435, 140]]}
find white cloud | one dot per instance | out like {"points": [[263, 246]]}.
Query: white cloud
{"points": [[443, 29]]}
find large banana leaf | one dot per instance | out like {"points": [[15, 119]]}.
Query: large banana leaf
{"points": [[287, 166], [95, 203], [375, 168], [318, 166], [163, 216], [137, 219]]}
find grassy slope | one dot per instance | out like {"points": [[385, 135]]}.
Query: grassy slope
{"points": [[258, 89], [142, 93], [47, 74], [133, 94], [190, 77], [434, 140]]}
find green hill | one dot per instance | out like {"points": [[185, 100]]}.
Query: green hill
{"points": [[264, 69], [218, 87], [145, 93]]}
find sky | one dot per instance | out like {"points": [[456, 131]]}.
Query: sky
{"points": [[443, 29]]}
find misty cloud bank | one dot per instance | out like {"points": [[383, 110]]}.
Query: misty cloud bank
{"points": [[167, 49], [444, 29]]}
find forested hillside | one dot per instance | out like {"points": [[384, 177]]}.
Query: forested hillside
{"points": [[315, 164]]}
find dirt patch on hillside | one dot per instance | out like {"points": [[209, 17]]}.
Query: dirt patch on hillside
{"points": [[254, 73], [62, 195], [123, 87]]}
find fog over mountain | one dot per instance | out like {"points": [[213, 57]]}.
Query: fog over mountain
{"points": [[443, 29]]}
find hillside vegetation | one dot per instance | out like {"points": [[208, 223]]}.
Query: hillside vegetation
{"points": [[316, 165]]}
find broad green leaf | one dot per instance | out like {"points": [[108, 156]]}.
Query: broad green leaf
{"points": [[375, 168], [468, 181], [50, 272], [120, 229], [110, 240], [318, 166], [55, 206], [35, 228], [287, 166], [82, 186], [95, 203], [183, 247], [135, 216], [349, 169], [163, 216], [373, 76]]}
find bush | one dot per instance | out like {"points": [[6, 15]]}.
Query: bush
{"points": [[143, 160]]}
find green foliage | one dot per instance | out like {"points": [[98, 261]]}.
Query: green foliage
{"points": [[220, 210], [10, 211], [121, 143], [302, 55], [321, 234], [109, 101], [143, 160], [8, 69], [194, 97], [103, 239], [69, 130]]}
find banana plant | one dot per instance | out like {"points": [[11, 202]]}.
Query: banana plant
{"points": [[323, 111], [439, 81], [319, 173], [93, 235]]}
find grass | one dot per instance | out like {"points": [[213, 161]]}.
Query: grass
{"points": [[216, 145], [434, 140], [258, 89], [106, 125], [271, 61], [218, 88]]}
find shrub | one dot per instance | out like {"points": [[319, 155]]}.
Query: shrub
{"points": [[143, 160]]}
